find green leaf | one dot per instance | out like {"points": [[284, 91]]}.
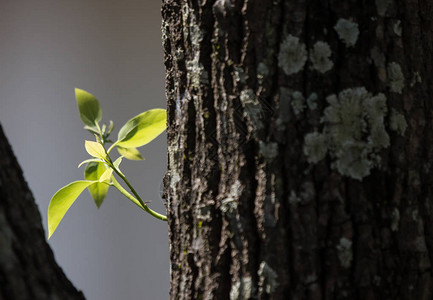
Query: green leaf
{"points": [[98, 191], [142, 129], [110, 127], [89, 160], [62, 201], [117, 162], [130, 153], [92, 130], [88, 105], [98, 139], [95, 149], [106, 176]]}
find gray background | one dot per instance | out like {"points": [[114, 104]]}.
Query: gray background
{"points": [[113, 50]]}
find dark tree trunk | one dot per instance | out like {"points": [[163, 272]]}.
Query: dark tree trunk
{"points": [[27, 266], [300, 148]]}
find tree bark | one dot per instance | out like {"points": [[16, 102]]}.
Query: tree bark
{"points": [[300, 148], [27, 266]]}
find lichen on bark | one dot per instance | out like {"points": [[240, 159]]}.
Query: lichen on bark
{"points": [[319, 180], [354, 132]]}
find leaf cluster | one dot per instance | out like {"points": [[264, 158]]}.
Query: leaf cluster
{"points": [[98, 174]]}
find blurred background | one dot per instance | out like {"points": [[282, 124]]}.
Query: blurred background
{"points": [[113, 50]]}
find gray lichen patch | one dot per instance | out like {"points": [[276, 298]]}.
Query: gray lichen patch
{"points": [[165, 26], [353, 134], [382, 6], [293, 198], [173, 174], [308, 192], [345, 253], [311, 101], [347, 31], [298, 102], [243, 289], [397, 28], [239, 75], [320, 57], [395, 77], [229, 205], [375, 110], [268, 150], [196, 73], [179, 54], [416, 78], [196, 35], [292, 56], [315, 147], [270, 204], [262, 72], [268, 278], [353, 160], [252, 108], [397, 122]]}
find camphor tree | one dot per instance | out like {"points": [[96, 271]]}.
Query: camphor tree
{"points": [[299, 141], [27, 266], [299, 148]]}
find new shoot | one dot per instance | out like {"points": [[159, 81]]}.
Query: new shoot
{"points": [[101, 168]]}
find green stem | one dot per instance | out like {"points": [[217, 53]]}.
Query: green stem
{"points": [[100, 133], [137, 197], [117, 185], [111, 147]]}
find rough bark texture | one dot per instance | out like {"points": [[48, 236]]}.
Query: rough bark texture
{"points": [[300, 148], [27, 266]]}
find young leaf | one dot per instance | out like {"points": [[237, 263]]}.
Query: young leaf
{"points": [[142, 129], [88, 105], [61, 202], [106, 176], [130, 153], [117, 162], [92, 130], [89, 160], [98, 191], [95, 149], [110, 127]]}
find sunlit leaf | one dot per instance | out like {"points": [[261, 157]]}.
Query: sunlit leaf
{"points": [[142, 129], [88, 105], [93, 130], [130, 153], [89, 160], [110, 127], [98, 191], [98, 139], [95, 149], [106, 176], [117, 162], [62, 201]]}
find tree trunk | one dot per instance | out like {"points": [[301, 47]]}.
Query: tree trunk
{"points": [[300, 148], [27, 266]]}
